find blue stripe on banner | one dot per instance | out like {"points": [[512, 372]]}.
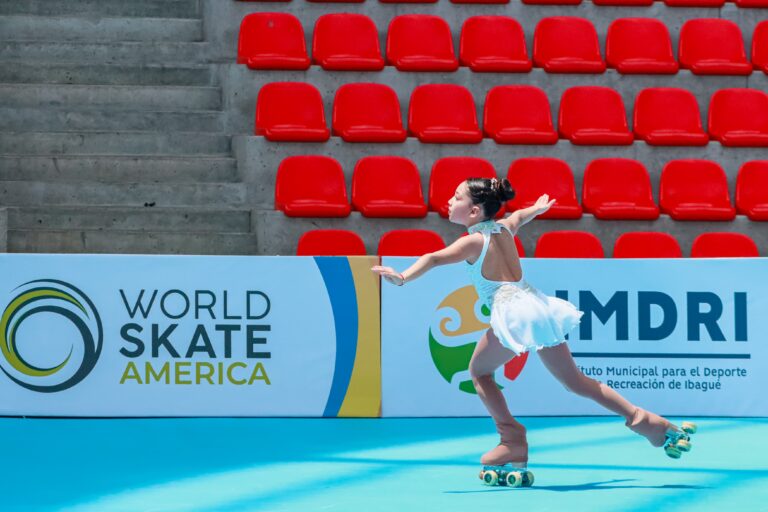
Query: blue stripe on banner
{"points": [[341, 291]]}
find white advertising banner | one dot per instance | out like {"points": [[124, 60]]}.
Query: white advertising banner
{"points": [[677, 336], [88, 335]]}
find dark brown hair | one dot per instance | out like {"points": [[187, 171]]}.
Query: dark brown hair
{"points": [[490, 194]]}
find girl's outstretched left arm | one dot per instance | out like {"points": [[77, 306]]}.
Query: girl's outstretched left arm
{"points": [[525, 215], [462, 249]]}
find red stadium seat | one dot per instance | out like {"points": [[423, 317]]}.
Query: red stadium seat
{"points": [[695, 190], [640, 45], [739, 117], [337, 1], [291, 111], [618, 188], [694, 3], [494, 43], [330, 242], [568, 244], [480, 1], [311, 186], [533, 177], [448, 173], [563, 44], [409, 242], [752, 3], [387, 186], [665, 116], [518, 114], [592, 115], [724, 245], [272, 40], [644, 244], [443, 113], [552, 2], [760, 46], [367, 113], [408, 1], [752, 190], [713, 47], [633, 3], [420, 42], [346, 42]]}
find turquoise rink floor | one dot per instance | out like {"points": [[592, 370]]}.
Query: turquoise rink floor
{"points": [[233, 464]]}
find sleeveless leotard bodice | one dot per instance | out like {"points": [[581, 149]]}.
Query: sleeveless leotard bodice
{"points": [[487, 288]]}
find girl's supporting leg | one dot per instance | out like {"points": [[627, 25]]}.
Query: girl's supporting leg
{"points": [[559, 361], [489, 354]]}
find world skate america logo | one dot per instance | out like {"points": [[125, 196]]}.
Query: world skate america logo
{"points": [[50, 336], [456, 327]]}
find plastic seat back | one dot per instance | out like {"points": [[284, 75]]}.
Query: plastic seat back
{"points": [[563, 44], [724, 245], [695, 190], [346, 42], [291, 111], [713, 47], [494, 43], [739, 117], [311, 186], [666, 116], [646, 244], [533, 177], [752, 190], [409, 242], [569, 244], [591, 115], [518, 114], [387, 186], [443, 113], [618, 188], [367, 113], [640, 45], [272, 40], [330, 242], [420, 42]]}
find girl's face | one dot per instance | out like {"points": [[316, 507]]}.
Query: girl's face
{"points": [[461, 210]]}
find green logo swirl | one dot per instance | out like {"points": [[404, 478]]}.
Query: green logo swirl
{"points": [[52, 297]]}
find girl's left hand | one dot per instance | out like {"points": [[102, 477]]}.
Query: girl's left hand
{"points": [[389, 274], [543, 204]]}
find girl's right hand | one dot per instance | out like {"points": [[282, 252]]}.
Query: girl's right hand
{"points": [[389, 274]]}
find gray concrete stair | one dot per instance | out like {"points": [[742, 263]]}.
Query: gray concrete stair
{"points": [[135, 97], [89, 119], [118, 168], [188, 74], [130, 242], [140, 8], [115, 53], [40, 193], [91, 29], [114, 143], [157, 219]]}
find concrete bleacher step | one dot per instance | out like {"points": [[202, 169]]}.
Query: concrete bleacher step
{"points": [[105, 74], [59, 29], [58, 193], [76, 119], [130, 242], [148, 97], [118, 168], [196, 219], [114, 143], [142, 8], [122, 53], [279, 235]]}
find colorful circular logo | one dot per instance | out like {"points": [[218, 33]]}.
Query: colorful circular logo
{"points": [[36, 326], [456, 327]]}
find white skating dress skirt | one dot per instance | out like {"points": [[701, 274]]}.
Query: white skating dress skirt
{"points": [[522, 317]]}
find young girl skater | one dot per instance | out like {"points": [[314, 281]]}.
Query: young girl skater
{"points": [[522, 318]]}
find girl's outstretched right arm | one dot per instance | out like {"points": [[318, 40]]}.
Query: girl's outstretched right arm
{"points": [[525, 215], [462, 249]]}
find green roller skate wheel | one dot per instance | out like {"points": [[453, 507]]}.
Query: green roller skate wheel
{"points": [[527, 479], [683, 445], [688, 427], [491, 478], [672, 451], [514, 479]]}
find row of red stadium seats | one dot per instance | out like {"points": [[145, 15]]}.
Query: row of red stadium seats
{"points": [[561, 44], [554, 244], [635, 3], [613, 188], [445, 113]]}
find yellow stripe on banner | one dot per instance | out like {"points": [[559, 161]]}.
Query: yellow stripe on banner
{"points": [[363, 398]]}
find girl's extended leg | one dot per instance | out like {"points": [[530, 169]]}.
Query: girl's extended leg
{"points": [[489, 354], [559, 362]]}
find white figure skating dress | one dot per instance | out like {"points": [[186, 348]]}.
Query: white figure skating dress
{"points": [[522, 317]]}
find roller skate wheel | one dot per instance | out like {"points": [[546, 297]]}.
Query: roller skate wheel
{"points": [[683, 445], [672, 451], [491, 478], [527, 479], [482, 474], [514, 479], [688, 427]]}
